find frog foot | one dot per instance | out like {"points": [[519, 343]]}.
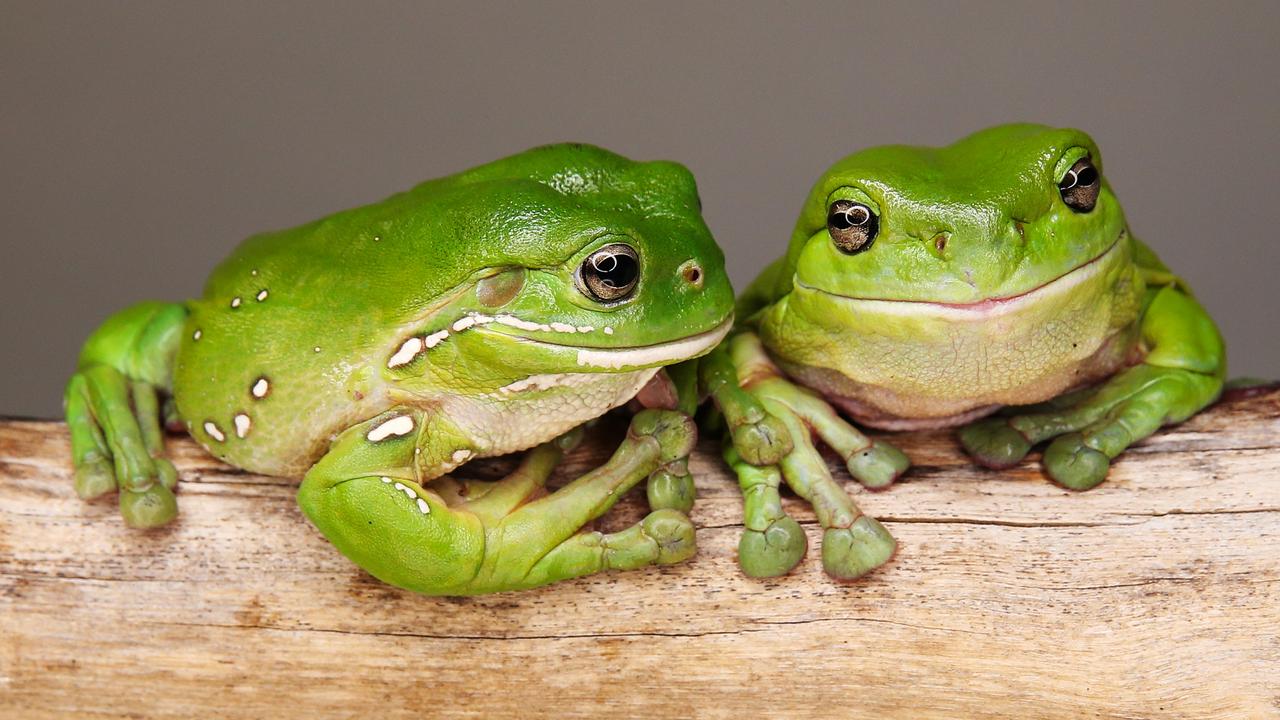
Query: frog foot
{"points": [[114, 416], [758, 402], [1087, 435], [409, 535]]}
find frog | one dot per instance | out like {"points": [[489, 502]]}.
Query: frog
{"points": [[374, 351], [992, 285]]}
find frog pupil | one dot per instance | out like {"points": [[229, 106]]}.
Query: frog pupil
{"points": [[611, 272], [1079, 187], [852, 226]]}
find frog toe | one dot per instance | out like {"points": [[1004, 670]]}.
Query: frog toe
{"points": [[1073, 464], [673, 532], [994, 443], [878, 465], [94, 477], [852, 552], [674, 431], [764, 442], [773, 551], [148, 508]]}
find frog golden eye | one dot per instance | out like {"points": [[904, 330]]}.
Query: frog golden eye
{"points": [[1080, 186], [852, 226], [609, 274]]}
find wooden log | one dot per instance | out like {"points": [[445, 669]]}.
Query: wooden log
{"points": [[1154, 595]]}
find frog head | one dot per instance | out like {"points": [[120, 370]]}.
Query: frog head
{"points": [[575, 259], [994, 216]]}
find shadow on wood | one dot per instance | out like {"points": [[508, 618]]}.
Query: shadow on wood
{"points": [[1154, 595]]}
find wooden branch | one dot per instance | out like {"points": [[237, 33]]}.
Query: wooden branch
{"points": [[1154, 595]]}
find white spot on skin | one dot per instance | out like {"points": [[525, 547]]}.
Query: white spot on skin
{"points": [[461, 456], [235, 302], [316, 348], [463, 324], [386, 480], [197, 335], [608, 330], [407, 352], [395, 427], [260, 388], [243, 424], [424, 507], [214, 431], [262, 295], [408, 491], [253, 272]]}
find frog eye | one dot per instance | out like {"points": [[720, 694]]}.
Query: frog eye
{"points": [[1080, 186], [852, 226], [610, 273]]}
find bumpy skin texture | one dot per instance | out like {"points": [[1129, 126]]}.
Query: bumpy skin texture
{"points": [[981, 289], [379, 348]]}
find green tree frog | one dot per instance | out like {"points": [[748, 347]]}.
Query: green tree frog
{"points": [[377, 349], [993, 284]]}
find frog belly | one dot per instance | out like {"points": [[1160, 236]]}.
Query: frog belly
{"points": [[901, 365]]}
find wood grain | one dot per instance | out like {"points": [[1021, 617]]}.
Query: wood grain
{"points": [[1155, 595]]}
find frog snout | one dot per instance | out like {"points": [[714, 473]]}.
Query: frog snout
{"points": [[690, 272]]}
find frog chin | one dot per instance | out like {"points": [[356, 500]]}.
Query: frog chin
{"points": [[618, 359]]}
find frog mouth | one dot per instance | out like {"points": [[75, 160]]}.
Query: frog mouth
{"points": [[1060, 285], [642, 356]]}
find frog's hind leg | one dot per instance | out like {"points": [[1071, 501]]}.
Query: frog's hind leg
{"points": [[1181, 374], [113, 412], [364, 495]]}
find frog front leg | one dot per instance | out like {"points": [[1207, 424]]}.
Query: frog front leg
{"points": [[114, 413], [771, 423], [1182, 372], [368, 497]]}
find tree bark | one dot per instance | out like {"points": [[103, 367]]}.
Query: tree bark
{"points": [[1154, 595]]}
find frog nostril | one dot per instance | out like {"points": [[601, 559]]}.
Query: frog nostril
{"points": [[691, 271]]}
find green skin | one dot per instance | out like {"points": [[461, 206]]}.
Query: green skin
{"points": [[983, 292], [377, 349]]}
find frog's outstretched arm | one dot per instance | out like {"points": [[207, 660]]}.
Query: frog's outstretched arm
{"points": [[365, 495], [113, 412], [770, 426], [1182, 372]]}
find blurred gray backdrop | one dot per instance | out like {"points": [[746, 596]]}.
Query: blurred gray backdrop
{"points": [[142, 141]]}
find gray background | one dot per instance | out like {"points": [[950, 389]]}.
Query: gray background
{"points": [[142, 141]]}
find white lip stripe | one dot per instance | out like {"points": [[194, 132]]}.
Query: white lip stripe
{"points": [[407, 352], [656, 354]]}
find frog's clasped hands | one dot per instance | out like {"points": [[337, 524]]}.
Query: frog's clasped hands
{"points": [[993, 284]]}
